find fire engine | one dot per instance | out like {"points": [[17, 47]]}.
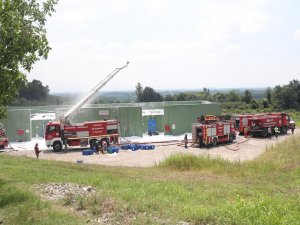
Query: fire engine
{"points": [[211, 131], [261, 122], [61, 132], [3, 138], [242, 123], [258, 124]]}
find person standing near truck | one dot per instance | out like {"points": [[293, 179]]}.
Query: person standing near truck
{"points": [[185, 141], [97, 147], [276, 131], [37, 150], [270, 132], [293, 126]]}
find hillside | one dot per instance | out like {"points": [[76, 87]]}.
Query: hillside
{"points": [[181, 190]]}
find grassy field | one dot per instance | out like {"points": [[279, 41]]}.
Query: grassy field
{"points": [[181, 190]]}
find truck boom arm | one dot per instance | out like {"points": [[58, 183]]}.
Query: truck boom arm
{"points": [[92, 93]]}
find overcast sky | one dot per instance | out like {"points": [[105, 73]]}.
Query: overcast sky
{"points": [[171, 44]]}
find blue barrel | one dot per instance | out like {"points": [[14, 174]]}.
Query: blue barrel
{"points": [[88, 152], [125, 147], [113, 149]]}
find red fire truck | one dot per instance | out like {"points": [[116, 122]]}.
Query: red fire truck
{"points": [[242, 123], [3, 138], [211, 131], [61, 132], [261, 122]]}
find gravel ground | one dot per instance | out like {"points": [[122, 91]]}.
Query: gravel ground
{"points": [[241, 149]]}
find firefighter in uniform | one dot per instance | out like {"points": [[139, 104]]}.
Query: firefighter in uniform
{"points": [[37, 150], [97, 147], [269, 132], [185, 141], [104, 147], [293, 128], [276, 131]]}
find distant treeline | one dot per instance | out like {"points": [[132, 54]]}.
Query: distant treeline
{"points": [[277, 98]]}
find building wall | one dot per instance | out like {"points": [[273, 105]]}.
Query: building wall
{"points": [[181, 117], [17, 125], [130, 118], [130, 121], [38, 127], [159, 123]]}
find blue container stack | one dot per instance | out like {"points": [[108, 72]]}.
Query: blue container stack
{"points": [[135, 147], [88, 152], [113, 149]]}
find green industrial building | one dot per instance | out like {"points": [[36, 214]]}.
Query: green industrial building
{"points": [[174, 118]]}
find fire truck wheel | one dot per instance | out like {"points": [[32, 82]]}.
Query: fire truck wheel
{"points": [[215, 141], [106, 140], [57, 146], [264, 133], [284, 130], [92, 143], [1, 146], [231, 138]]}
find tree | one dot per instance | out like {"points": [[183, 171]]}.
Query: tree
{"points": [[263, 102], [269, 94], [285, 97], [219, 97], [34, 91], [232, 96], [150, 95], [138, 91], [22, 42], [254, 104], [168, 98], [181, 96], [295, 85], [247, 96]]}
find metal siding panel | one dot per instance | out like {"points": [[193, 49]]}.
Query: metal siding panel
{"points": [[185, 115], [17, 120], [131, 121]]}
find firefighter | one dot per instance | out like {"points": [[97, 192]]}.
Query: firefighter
{"points": [[270, 132], [104, 147], [97, 147], [201, 140], [185, 141], [37, 150], [246, 132], [293, 128], [276, 131]]}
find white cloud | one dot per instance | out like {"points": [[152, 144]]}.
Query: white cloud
{"points": [[253, 22], [296, 34], [222, 19], [206, 42]]}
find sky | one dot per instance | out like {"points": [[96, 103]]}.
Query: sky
{"points": [[171, 44]]}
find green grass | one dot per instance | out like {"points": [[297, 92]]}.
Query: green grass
{"points": [[197, 190]]}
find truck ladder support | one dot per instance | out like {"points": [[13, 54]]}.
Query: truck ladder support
{"points": [[92, 93]]}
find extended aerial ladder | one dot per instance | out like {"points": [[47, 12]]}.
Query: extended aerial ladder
{"points": [[90, 95], [60, 132]]}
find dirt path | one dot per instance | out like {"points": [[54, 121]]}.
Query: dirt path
{"points": [[242, 149]]}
